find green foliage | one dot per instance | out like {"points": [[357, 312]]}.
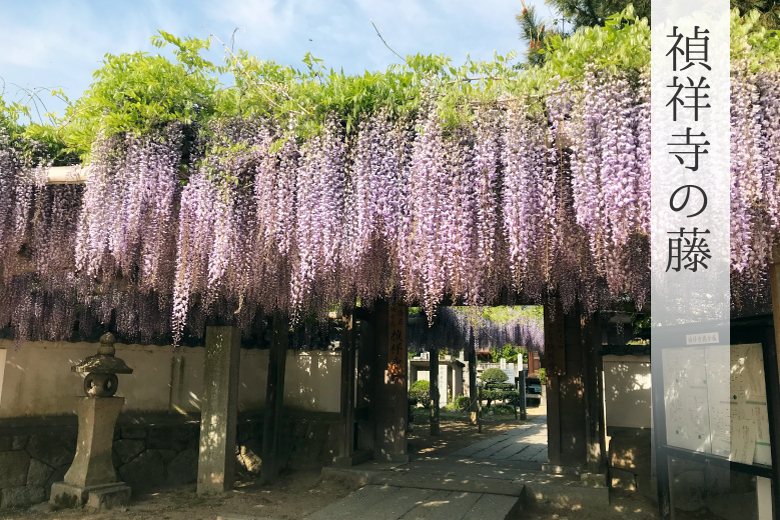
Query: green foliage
{"points": [[542, 373], [10, 117], [500, 386], [501, 409], [753, 46], [136, 92], [621, 44], [505, 314], [506, 396], [463, 402], [494, 375], [139, 92], [421, 391], [510, 353]]}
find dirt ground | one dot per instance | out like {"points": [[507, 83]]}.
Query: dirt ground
{"points": [[293, 497]]}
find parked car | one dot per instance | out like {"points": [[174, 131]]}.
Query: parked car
{"points": [[533, 391]]}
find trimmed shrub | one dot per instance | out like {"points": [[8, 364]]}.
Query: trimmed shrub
{"points": [[506, 387], [421, 392], [494, 375], [463, 402]]}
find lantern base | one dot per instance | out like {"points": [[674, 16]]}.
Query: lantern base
{"points": [[105, 496]]}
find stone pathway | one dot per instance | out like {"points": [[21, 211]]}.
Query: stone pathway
{"points": [[488, 480], [382, 502], [524, 446]]}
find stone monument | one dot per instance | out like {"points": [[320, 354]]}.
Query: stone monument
{"points": [[91, 479]]}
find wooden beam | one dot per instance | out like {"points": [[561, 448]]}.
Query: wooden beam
{"points": [[67, 175]]}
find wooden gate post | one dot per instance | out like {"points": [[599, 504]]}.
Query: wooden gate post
{"points": [[347, 390], [274, 399], [392, 404], [434, 387], [472, 356]]}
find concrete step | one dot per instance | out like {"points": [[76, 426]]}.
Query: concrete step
{"points": [[379, 502]]}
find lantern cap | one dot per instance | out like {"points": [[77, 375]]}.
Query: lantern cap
{"points": [[104, 362]]}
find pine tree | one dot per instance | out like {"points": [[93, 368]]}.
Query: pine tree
{"points": [[770, 11], [534, 32], [590, 13]]}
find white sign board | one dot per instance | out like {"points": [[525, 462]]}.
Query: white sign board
{"points": [[715, 400]]}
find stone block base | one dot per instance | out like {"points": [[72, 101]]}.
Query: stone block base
{"points": [[594, 479], [106, 496], [563, 470], [353, 460]]}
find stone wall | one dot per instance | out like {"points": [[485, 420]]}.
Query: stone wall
{"points": [[150, 452]]}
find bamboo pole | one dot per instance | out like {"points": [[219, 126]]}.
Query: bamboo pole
{"points": [[67, 175]]}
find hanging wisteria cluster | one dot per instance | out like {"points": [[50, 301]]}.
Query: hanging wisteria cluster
{"points": [[455, 329], [516, 201]]}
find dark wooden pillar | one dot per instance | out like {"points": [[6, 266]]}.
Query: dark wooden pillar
{"points": [[348, 388], [392, 405], [274, 399], [594, 414], [365, 409], [434, 372], [472, 357], [566, 409]]}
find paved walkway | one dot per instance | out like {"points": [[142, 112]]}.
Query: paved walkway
{"points": [[485, 481], [382, 502], [525, 446]]}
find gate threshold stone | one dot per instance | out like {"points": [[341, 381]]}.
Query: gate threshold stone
{"points": [[382, 502]]}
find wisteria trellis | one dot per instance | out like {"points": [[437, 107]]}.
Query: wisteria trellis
{"points": [[521, 200]]}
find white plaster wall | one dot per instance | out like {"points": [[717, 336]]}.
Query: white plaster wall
{"points": [[627, 391], [36, 378], [313, 381]]}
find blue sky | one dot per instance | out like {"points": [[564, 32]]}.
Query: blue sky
{"points": [[58, 44]]}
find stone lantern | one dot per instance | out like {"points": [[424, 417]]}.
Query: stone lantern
{"points": [[92, 479]]}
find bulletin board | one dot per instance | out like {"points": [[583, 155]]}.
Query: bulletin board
{"points": [[716, 402]]}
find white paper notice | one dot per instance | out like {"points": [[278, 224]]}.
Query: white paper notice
{"points": [[685, 399], [715, 398], [748, 388], [718, 360], [743, 441]]}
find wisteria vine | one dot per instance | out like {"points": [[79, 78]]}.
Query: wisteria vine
{"points": [[517, 201]]}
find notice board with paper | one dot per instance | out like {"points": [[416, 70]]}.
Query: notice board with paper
{"points": [[715, 401]]}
